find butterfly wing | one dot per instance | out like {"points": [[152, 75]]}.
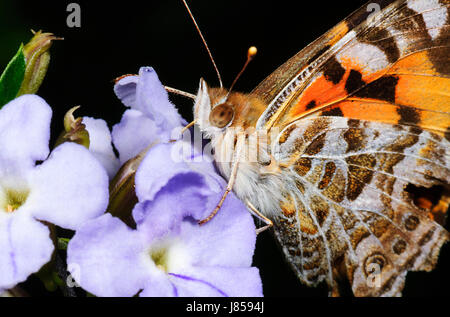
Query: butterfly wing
{"points": [[364, 115], [393, 67], [353, 213]]}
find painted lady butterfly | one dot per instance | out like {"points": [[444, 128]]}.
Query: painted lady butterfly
{"points": [[355, 177]]}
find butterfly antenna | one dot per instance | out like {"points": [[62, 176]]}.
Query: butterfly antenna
{"points": [[204, 42], [250, 54], [180, 92]]}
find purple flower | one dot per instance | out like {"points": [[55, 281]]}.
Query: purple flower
{"points": [[152, 116], [68, 188], [169, 254]]}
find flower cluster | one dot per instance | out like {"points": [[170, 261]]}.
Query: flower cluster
{"points": [[67, 188], [148, 245], [169, 254]]}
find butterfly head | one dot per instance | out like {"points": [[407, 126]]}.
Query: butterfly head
{"points": [[217, 109], [213, 111]]}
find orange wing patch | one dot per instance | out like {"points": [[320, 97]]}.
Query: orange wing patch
{"points": [[411, 92], [333, 85], [420, 85]]}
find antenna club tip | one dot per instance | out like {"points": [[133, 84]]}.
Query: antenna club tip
{"points": [[252, 51]]}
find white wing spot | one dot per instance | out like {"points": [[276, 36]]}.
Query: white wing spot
{"points": [[433, 13]]}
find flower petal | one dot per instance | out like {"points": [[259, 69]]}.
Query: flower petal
{"points": [[155, 171], [187, 286], [100, 144], [24, 130], [152, 99], [226, 240], [107, 254], [25, 246], [146, 94], [125, 90], [164, 161], [133, 134], [69, 188], [184, 195], [159, 285], [218, 281]]}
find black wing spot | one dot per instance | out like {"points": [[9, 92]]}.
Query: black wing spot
{"points": [[447, 134], [354, 81], [311, 105], [333, 71], [383, 89], [408, 115], [334, 112]]}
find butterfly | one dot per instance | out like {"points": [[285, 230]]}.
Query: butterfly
{"points": [[352, 139]]}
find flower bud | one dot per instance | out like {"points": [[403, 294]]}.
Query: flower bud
{"points": [[74, 130], [37, 56], [122, 194]]}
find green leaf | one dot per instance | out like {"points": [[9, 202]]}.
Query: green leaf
{"points": [[12, 77]]}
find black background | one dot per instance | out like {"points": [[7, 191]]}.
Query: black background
{"points": [[116, 38]]}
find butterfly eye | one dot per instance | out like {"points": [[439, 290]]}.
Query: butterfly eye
{"points": [[221, 115]]}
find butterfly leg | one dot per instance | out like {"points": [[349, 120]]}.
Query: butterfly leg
{"points": [[230, 184], [225, 194], [255, 212]]}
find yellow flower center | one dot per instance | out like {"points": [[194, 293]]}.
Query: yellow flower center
{"points": [[13, 198], [160, 258]]}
